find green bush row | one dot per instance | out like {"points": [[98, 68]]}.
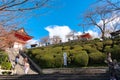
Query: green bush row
{"points": [[4, 61], [78, 55]]}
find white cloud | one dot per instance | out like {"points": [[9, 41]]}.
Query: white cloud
{"points": [[94, 34], [61, 31]]}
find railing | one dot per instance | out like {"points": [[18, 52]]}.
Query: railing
{"points": [[39, 70]]}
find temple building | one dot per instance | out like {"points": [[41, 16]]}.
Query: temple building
{"points": [[85, 36], [115, 34], [20, 37]]}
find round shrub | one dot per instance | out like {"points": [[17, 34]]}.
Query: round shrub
{"points": [[47, 61], [58, 60], [78, 48], [50, 61], [70, 56], [4, 61], [99, 45], [96, 39], [6, 65], [66, 48], [89, 49], [3, 58], [108, 49], [37, 58], [108, 42], [115, 51], [56, 50], [72, 52], [96, 58], [81, 59]]}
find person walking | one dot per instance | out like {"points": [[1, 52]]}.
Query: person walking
{"points": [[26, 67], [109, 59], [111, 66], [25, 60], [115, 69], [17, 59]]}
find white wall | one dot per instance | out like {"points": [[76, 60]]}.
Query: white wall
{"points": [[18, 46]]}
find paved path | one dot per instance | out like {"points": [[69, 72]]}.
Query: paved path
{"points": [[19, 67]]}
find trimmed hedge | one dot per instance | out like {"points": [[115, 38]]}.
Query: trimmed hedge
{"points": [[108, 42], [4, 61], [89, 49], [6, 65], [96, 58], [115, 51], [58, 61], [46, 61], [99, 45], [79, 54], [81, 59]]}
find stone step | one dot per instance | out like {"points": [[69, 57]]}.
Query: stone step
{"points": [[56, 77], [19, 68], [89, 70]]}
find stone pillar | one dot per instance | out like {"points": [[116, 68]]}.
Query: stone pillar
{"points": [[65, 58]]}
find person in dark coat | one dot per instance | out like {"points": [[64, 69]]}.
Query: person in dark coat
{"points": [[111, 64], [17, 59]]}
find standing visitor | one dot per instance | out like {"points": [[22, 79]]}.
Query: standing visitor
{"points": [[111, 65], [26, 67], [116, 67], [17, 59], [25, 60], [109, 59]]}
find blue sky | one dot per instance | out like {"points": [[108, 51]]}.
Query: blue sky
{"points": [[67, 14]]}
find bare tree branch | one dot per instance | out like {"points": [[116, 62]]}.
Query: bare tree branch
{"points": [[9, 6], [99, 16], [13, 12]]}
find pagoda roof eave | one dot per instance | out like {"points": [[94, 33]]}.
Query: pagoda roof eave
{"points": [[86, 35], [23, 36], [115, 33]]}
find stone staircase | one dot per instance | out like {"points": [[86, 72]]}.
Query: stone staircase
{"points": [[19, 67]]}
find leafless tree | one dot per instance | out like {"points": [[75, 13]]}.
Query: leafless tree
{"points": [[99, 16], [44, 40], [56, 39], [14, 12], [114, 5], [6, 38], [71, 35]]}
